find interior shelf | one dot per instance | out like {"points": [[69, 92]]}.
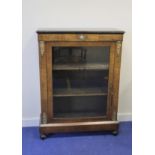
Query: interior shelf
{"points": [[80, 92], [80, 66]]}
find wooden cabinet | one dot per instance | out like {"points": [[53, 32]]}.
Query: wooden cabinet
{"points": [[79, 78]]}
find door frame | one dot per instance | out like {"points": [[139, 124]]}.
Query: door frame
{"points": [[49, 80]]}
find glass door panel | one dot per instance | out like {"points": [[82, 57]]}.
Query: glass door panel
{"points": [[80, 81]]}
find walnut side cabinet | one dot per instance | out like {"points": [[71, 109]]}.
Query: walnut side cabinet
{"points": [[79, 79]]}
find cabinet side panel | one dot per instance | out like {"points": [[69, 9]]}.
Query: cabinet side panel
{"points": [[43, 77], [117, 65]]}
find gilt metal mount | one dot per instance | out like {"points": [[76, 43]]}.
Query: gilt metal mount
{"points": [[114, 116], [42, 47], [44, 118], [119, 45]]}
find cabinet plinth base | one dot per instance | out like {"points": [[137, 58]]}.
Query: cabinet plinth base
{"points": [[50, 128]]}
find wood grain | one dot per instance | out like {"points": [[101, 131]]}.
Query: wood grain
{"points": [[49, 81], [43, 79], [117, 63], [76, 37], [110, 80]]}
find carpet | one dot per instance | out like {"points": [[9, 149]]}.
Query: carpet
{"points": [[94, 143]]}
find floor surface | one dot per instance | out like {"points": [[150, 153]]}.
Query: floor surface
{"points": [[94, 143]]}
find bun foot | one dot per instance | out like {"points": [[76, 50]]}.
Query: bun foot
{"points": [[43, 136], [115, 133]]}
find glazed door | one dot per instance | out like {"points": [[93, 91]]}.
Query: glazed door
{"points": [[79, 80]]}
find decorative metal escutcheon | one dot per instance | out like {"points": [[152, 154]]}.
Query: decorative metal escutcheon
{"points": [[82, 37]]}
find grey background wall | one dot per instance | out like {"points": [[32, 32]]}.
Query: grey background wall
{"points": [[72, 14]]}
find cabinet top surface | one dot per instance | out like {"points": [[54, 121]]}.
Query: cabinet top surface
{"points": [[79, 31]]}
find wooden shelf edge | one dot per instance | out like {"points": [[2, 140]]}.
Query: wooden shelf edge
{"points": [[77, 92], [69, 95], [81, 67]]}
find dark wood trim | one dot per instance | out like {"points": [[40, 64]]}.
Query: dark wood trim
{"points": [[47, 31]]}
